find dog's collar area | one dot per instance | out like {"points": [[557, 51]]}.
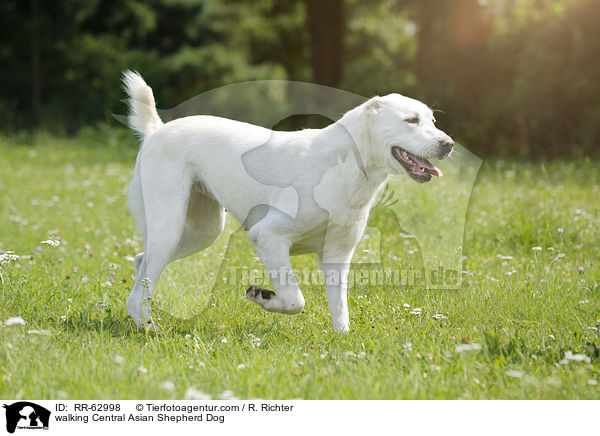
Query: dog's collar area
{"points": [[419, 169]]}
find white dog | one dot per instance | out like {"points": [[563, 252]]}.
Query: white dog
{"points": [[308, 191]]}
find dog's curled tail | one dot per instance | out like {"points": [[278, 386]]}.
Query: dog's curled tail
{"points": [[143, 117]]}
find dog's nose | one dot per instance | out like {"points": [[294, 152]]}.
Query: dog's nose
{"points": [[447, 144]]}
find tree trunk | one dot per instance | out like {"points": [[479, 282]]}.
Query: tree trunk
{"points": [[326, 29], [428, 22], [36, 64]]}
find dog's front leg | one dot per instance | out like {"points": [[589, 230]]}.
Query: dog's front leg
{"points": [[274, 251], [340, 242], [336, 288]]}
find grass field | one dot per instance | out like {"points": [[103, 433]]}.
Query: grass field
{"points": [[524, 325]]}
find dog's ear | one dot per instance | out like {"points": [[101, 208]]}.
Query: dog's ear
{"points": [[373, 106]]}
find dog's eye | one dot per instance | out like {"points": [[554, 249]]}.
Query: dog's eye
{"points": [[412, 120]]}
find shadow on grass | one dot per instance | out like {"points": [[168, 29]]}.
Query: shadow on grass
{"points": [[208, 324]]}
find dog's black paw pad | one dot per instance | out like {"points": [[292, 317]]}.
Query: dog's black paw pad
{"points": [[254, 291], [267, 294]]}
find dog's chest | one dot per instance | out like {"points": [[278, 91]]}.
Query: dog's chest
{"points": [[311, 241]]}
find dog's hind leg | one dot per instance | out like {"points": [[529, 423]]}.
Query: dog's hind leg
{"points": [[137, 262], [165, 210], [205, 220]]}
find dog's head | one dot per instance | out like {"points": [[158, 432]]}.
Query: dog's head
{"points": [[402, 136]]}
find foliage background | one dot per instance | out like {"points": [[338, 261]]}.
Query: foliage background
{"points": [[512, 77]]}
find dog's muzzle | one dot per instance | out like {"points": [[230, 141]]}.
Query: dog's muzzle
{"points": [[418, 169]]}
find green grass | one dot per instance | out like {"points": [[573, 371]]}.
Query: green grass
{"points": [[525, 321]]}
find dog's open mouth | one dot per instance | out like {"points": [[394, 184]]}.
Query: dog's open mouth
{"points": [[419, 169]]}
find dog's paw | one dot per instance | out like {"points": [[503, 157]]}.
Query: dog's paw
{"points": [[146, 324], [260, 296], [256, 294], [272, 302], [151, 325]]}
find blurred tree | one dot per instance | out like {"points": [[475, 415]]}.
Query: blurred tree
{"points": [[514, 77], [36, 73], [325, 20], [379, 47], [182, 47], [430, 18]]}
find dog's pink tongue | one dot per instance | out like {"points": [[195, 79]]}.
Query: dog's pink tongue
{"points": [[435, 171], [431, 169]]}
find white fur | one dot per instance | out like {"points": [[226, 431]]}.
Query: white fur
{"points": [[314, 187], [143, 117]]}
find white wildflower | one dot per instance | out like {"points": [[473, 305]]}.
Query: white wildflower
{"points": [[254, 341], [51, 241], [39, 332], [577, 357], [7, 257], [515, 374], [167, 385], [536, 248], [467, 347], [142, 370], [227, 395], [406, 236], [241, 366], [14, 320], [195, 394]]}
